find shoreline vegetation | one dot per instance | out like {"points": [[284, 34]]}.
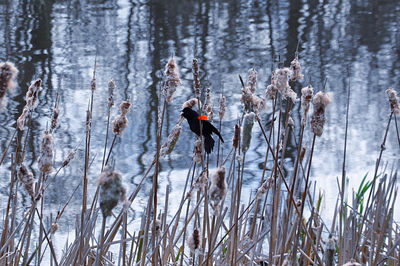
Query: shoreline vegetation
{"points": [[215, 223]]}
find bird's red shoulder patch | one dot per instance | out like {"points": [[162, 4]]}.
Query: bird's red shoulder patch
{"points": [[202, 117]]}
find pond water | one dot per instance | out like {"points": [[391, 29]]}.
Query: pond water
{"points": [[58, 41]]}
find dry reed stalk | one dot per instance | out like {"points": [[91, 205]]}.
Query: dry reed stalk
{"points": [[111, 88]]}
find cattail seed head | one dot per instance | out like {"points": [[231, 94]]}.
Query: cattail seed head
{"points": [[33, 93], [46, 153], [320, 101], [31, 99], [252, 80], [222, 106], [306, 97], [196, 81], [236, 136], [111, 88], [121, 122], [218, 187], [172, 80], [264, 187], [171, 141], [111, 190], [190, 103], [247, 127], [272, 91], [157, 224], [208, 105], [69, 158], [201, 181], [394, 101], [296, 69], [194, 240], [54, 119], [54, 227], [27, 179], [197, 151], [7, 74], [282, 76]]}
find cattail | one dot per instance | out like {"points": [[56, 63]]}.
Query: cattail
{"points": [[320, 101], [27, 179], [197, 151], [111, 88], [246, 97], [54, 227], [264, 187], [54, 118], [196, 81], [394, 101], [33, 93], [201, 181], [218, 187], [21, 118], [296, 69], [111, 190], [306, 97], [157, 225], [7, 73], [352, 262], [258, 103], [236, 137], [46, 153], [252, 80], [272, 91], [172, 139], [121, 122], [194, 240], [172, 79], [222, 106], [69, 158], [208, 105], [31, 99], [190, 103], [247, 127], [282, 76]]}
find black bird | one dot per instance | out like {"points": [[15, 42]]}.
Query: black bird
{"points": [[207, 128]]}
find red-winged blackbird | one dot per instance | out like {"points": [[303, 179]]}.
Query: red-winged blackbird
{"points": [[207, 128]]}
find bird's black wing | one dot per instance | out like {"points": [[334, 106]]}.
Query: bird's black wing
{"points": [[208, 127]]}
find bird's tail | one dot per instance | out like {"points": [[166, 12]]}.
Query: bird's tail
{"points": [[208, 143]]}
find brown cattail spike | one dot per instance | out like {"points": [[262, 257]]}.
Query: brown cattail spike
{"points": [[171, 141], [196, 77], [27, 179], [190, 103], [197, 151], [111, 88], [111, 190], [394, 101], [236, 137], [172, 79], [46, 153], [320, 101], [31, 99], [194, 240]]}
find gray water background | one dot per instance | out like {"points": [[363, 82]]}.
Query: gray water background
{"points": [[58, 41]]}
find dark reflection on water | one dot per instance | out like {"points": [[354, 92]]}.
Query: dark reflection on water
{"points": [[58, 41]]}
